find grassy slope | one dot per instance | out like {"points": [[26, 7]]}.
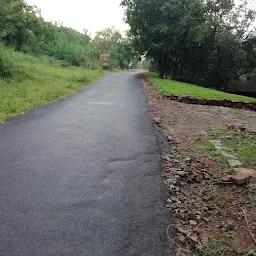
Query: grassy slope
{"points": [[244, 146], [39, 81], [178, 88]]}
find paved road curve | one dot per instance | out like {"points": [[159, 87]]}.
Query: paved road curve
{"points": [[81, 176]]}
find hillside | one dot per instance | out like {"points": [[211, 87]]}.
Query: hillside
{"points": [[27, 82]]}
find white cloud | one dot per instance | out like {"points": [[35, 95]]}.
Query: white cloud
{"points": [[93, 15]]}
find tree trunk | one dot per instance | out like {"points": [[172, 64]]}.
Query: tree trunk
{"points": [[225, 86], [173, 70], [161, 72], [181, 71]]}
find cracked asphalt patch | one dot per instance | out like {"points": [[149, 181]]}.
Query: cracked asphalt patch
{"points": [[82, 176]]}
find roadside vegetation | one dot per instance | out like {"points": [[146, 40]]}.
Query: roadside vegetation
{"points": [[43, 61], [209, 43], [38, 81], [181, 88], [244, 146]]}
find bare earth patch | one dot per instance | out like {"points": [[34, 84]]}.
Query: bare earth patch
{"points": [[209, 214]]}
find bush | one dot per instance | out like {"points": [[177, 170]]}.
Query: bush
{"points": [[7, 66]]}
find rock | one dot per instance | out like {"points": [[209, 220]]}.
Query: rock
{"points": [[167, 158], [194, 238], [172, 187], [171, 181], [169, 138], [192, 222], [188, 159], [234, 162], [236, 128], [205, 219], [174, 199], [238, 179], [157, 120], [245, 171], [174, 169], [181, 173], [198, 217], [183, 231]]}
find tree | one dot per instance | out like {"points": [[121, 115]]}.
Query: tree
{"points": [[19, 23], [200, 40], [119, 47]]}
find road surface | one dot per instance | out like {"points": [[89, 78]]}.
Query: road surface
{"points": [[82, 176]]}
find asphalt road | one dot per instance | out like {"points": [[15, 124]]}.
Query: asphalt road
{"points": [[82, 176]]}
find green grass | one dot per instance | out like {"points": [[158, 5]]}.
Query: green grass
{"points": [[244, 146], [218, 246], [179, 88], [38, 81]]}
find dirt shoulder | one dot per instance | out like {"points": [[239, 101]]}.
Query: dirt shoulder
{"points": [[212, 216]]}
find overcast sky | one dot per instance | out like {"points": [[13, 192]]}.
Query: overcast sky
{"points": [[93, 15]]}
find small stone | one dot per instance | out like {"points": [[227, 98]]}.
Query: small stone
{"points": [[188, 159], [192, 223], [205, 219], [234, 162], [193, 238], [181, 173], [198, 217], [183, 231], [174, 199], [157, 120], [172, 187], [171, 181], [167, 158]]}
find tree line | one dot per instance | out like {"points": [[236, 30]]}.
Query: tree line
{"points": [[23, 28], [207, 42]]}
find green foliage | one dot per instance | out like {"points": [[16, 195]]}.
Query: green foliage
{"points": [[6, 64], [111, 41], [22, 27], [38, 82], [206, 42], [218, 246], [244, 146], [179, 88]]}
